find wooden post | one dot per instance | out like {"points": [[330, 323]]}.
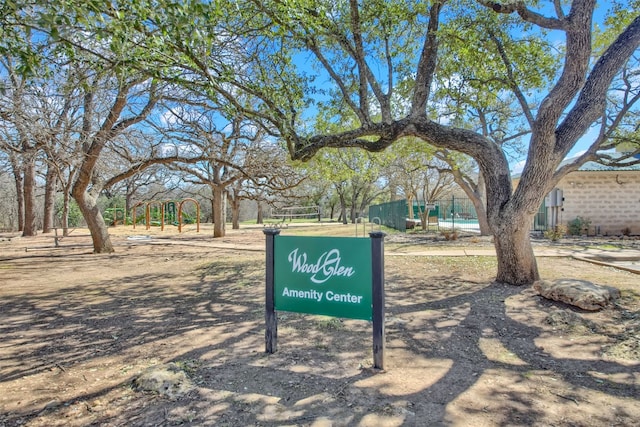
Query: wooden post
{"points": [[162, 215], [377, 270], [270, 318]]}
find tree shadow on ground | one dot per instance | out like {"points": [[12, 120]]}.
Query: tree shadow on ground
{"points": [[455, 355]]}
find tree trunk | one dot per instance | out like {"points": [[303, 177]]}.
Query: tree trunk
{"points": [[477, 195], [424, 218], [128, 205], [365, 202], [510, 218], [50, 189], [213, 207], [481, 212], [410, 206], [353, 209], [478, 198], [259, 219], [218, 211], [19, 183], [65, 213], [29, 170], [516, 261], [95, 222], [66, 201], [343, 209], [235, 213]]}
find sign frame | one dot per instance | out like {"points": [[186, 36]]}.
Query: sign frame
{"points": [[326, 263]]}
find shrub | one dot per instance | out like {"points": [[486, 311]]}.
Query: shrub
{"points": [[556, 233], [450, 234], [579, 226]]}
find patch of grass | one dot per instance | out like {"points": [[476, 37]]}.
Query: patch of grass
{"points": [[189, 366], [628, 348], [244, 282], [568, 321], [322, 346], [329, 324], [478, 265], [528, 374], [238, 271], [605, 247]]}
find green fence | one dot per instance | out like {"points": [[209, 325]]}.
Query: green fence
{"points": [[457, 213], [447, 214], [420, 207], [540, 222], [392, 214], [451, 213]]}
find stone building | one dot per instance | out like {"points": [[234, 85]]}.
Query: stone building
{"points": [[607, 198]]}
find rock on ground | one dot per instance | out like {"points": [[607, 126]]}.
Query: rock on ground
{"points": [[579, 293], [167, 380]]}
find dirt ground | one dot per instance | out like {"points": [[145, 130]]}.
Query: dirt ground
{"points": [[77, 328]]}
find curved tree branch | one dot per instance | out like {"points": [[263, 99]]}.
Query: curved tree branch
{"points": [[522, 100], [359, 57], [578, 46], [427, 63], [591, 101], [527, 14]]}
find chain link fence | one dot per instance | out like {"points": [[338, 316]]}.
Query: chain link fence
{"points": [[454, 213]]}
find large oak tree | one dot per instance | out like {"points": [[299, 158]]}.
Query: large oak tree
{"points": [[353, 41]]}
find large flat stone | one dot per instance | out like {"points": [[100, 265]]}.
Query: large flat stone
{"points": [[167, 380], [579, 293]]}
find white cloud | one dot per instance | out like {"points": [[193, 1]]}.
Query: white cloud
{"points": [[517, 168]]}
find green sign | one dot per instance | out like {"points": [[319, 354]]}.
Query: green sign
{"points": [[323, 275]]}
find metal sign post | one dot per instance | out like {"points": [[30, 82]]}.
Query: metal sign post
{"points": [[377, 285], [340, 277], [271, 334]]}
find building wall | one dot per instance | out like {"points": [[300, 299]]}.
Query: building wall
{"points": [[611, 200]]}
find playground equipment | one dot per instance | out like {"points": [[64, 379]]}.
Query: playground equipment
{"points": [[180, 213], [167, 213]]}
